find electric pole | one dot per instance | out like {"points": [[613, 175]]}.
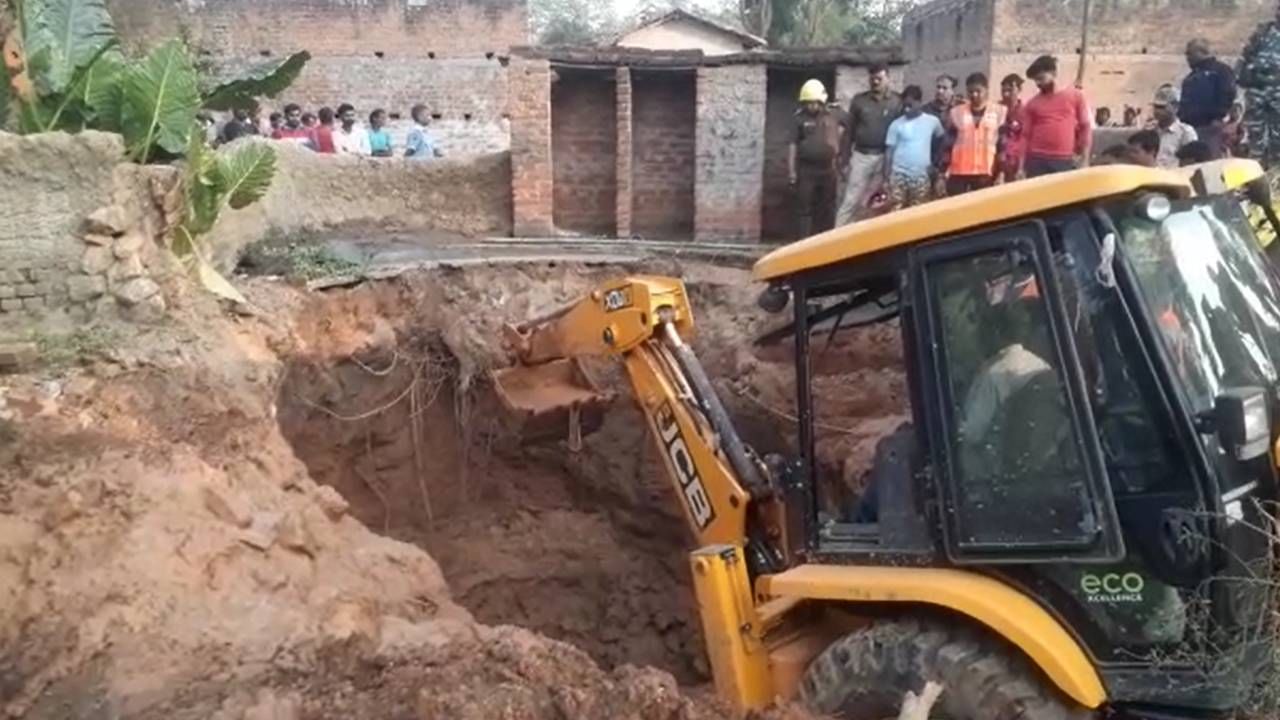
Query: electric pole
{"points": [[1084, 44]]}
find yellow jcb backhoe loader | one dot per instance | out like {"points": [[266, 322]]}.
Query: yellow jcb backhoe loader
{"points": [[1073, 524]]}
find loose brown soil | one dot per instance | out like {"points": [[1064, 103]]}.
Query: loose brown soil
{"points": [[227, 516]]}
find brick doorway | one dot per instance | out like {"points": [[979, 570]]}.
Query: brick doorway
{"points": [[779, 212], [584, 149], [664, 122]]}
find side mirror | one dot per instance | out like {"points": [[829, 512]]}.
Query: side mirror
{"points": [[1243, 422]]}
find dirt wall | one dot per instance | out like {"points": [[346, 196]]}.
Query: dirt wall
{"points": [[470, 196]]}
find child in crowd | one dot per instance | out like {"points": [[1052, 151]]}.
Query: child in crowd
{"points": [[379, 138], [420, 145]]}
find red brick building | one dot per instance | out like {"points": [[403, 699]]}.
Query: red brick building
{"points": [[663, 144]]}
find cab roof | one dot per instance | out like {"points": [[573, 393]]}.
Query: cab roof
{"points": [[955, 214]]}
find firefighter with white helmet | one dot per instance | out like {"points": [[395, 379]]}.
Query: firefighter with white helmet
{"points": [[813, 159]]}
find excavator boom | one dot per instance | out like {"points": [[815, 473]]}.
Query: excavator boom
{"points": [[643, 321]]}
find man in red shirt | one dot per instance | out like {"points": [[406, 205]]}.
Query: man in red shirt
{"points": [[292, 128], [1056, 125], [322, 133]]}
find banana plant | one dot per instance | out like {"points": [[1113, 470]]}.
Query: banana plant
{"points": [[236, 178], [68, 73]]}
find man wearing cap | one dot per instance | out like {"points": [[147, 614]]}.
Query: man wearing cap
{"points": [[812, 159], [1174, 134], [1207, 94]]}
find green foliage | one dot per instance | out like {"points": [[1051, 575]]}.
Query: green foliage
{"points": [[161, 99], [267, 80], [82, 80], [815, 23], [62, 38], [571, 22]]}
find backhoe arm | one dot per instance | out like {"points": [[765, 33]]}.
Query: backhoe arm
{"points": [[643, 320]]}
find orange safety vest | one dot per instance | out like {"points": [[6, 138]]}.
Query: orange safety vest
{"points": [[974, 151]]}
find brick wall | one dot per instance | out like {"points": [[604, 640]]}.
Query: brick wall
{"points": [[395, 28], [531, 176], [664, 127], [625, 154], [1135, 45], [1151, 27], [584, 138], [730, 152], [779, 221], [449, 54]]}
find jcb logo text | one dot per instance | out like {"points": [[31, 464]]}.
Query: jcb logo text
{"points": [[695, 495]]}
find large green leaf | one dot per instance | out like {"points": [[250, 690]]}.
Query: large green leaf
{"points": [[244, 175], [71, 32], [104, 91], [161, 98], [267, 80]]}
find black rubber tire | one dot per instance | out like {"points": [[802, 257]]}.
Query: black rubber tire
{"points": [[864, 676]]}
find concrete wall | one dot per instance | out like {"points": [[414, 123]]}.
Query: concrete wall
{"points": [[449, 54], [664, 124], [584, 145], [730, 152], [682, 35], [314, 192], [1135, 45]]}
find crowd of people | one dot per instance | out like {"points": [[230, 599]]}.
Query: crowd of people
{"points": [[336, 132], [889, 150]]}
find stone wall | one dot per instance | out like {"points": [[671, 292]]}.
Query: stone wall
{"points": [[1135, 45], [81, 229], [664, 124], [316, 192], [730, 152], [584, 143]]}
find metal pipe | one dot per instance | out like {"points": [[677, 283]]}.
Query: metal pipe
{"points": [[732, 446]]}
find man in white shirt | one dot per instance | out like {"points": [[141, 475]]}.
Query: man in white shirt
{"points": [[349, 138], [1174, 134]]}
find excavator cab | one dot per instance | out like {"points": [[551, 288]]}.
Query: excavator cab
{"points": [[1076, 521]]}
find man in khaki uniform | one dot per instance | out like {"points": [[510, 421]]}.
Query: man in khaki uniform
{"points": [[812, 159], [870, 114]]}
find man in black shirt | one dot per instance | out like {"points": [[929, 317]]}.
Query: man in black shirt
{"points": [[1207, 95]]}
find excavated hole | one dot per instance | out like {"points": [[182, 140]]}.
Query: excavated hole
{"points": [[589, 548], [583, 548]]}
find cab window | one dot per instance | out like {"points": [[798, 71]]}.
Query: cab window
{"points": [[1015, 460]]}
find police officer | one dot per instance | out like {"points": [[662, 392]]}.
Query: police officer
{"points": [[812, 159], [1260, 77]]}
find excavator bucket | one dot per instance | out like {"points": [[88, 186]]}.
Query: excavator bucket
{"points": [[550, 401]]}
